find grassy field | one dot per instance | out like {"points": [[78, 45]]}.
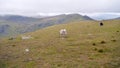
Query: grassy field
{"points": [[87, 45]]}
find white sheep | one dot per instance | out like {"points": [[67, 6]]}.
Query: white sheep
{"points": [[63, 33]]}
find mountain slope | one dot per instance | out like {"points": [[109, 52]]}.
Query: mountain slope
{"points": [[104, 16], [29, 24], [117, 18], [87, 45], [17, 19]]}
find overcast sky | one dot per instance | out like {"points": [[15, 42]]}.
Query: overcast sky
{"points": [[31, 7]]}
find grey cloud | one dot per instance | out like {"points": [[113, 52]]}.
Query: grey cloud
{"points": [[58, 6]]}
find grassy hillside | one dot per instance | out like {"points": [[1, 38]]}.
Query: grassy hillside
{"points": [[87, 45]]}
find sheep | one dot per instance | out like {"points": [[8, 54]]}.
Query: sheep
{"points": [[101, 24], [63, 33]]}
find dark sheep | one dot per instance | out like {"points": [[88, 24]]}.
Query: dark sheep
{"points": [[101, 24]]}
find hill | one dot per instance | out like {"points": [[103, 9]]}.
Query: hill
{"points": [[87, 45], [118, 18], [29, 24], [17, 19], [104, 16]]}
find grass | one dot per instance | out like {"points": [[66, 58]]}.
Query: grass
{"points": [[83, 47], [3, 65]]}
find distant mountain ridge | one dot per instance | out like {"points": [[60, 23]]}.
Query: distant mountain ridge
{"points": [[118, 18], [105, 16], [21, 24], [17, 18]]}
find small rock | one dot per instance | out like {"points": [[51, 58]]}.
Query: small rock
{"points": [[93, 44], [13, 45], [117, 31], [113, 40], [27, 50], [100, 50], [102, 42], [91, 58]]}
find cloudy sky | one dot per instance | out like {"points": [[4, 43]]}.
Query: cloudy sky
{"points": [[32, 7]]}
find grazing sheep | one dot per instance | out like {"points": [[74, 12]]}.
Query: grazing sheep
{"points": [[63, 33], [101, 24]]}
